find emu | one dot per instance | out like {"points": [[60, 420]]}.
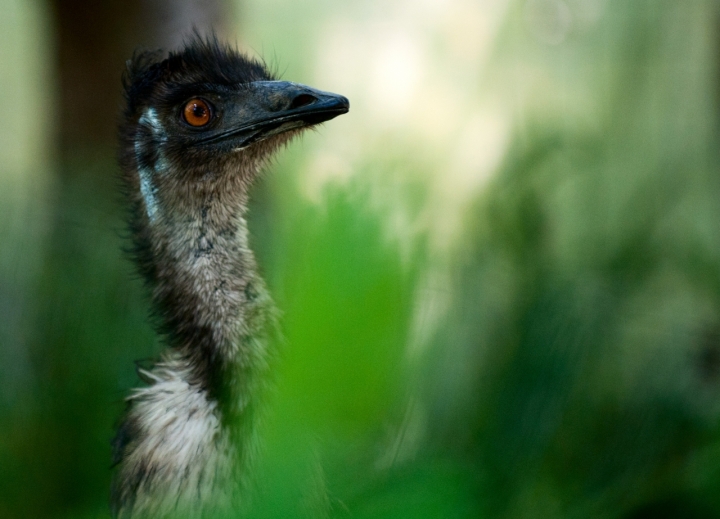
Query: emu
{"points": [[198, 127]]}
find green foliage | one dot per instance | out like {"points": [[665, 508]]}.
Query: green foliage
{"points": [[346, 300], [581, 352], [574, 373]]}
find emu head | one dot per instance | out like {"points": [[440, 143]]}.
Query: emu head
{"points": [[206, 119]]}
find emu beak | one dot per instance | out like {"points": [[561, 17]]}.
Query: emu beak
{"points": [[289, 101], [272, 107]]}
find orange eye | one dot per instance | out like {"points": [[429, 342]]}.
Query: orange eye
{"points": [[197, 112]]}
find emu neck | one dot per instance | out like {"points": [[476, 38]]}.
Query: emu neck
{"points": [[190, 434], [214, 307]]}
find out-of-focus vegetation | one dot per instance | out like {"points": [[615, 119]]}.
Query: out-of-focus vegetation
{"points": [[500, 273]]}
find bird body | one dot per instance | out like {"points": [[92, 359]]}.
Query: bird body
{"points": [[198, 129]]}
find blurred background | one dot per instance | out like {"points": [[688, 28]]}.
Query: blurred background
{"points": [[500, 272]]}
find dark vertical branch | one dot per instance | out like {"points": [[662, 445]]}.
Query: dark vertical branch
{"points": [[174, 19], [94, 40]]}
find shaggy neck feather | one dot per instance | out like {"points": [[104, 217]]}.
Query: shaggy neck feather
{"points": [[214, 307]]}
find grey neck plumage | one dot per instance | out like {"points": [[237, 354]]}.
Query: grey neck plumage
{"points": [[190, 431]]}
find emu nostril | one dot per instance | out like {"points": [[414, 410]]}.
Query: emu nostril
{"points": [[302, 100]]}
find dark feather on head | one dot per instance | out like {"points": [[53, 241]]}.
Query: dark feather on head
{"points": [[201, 63]]}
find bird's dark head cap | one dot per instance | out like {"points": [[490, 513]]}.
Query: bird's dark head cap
{"points": [[203, 61]]}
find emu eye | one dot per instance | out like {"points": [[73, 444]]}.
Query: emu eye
{"points": [[197, 112]]}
